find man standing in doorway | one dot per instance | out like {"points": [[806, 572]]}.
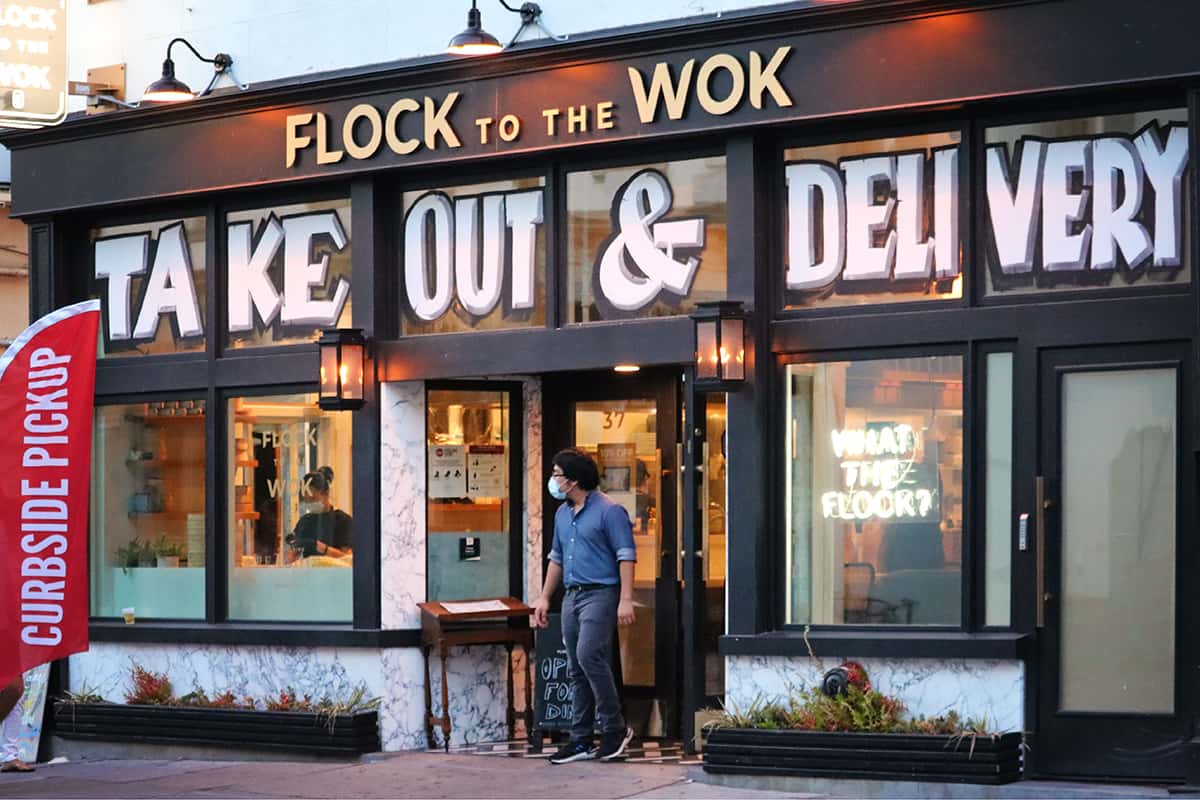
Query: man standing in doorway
{"points": [[593, 556]]}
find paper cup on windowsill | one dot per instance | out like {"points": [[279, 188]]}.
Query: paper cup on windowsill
{"points": [[128, 614]]}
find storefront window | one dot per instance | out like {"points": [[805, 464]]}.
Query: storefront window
{"points": [[151, 281], [291, 545], [288, 271], [474, 257], [873, 222], [469, 495], [998, 494], [147, 518], [645, 241], [874, 491], [714, 545], [1098, 202]]}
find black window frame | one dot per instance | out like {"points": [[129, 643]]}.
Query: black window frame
{"points": [[457, 176], [967, 585], [1075, 108], [133, 399], [624, 158], [217, 373], [922, 126], [224, 395], [517, 490], [1022, 323]]}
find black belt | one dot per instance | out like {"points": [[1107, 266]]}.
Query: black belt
{"points": [[579, 587]]}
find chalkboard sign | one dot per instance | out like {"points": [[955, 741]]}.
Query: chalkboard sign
{"points": [[552, 696]]}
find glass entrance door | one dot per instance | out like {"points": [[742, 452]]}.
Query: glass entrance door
{"points": [[1109, 688], [630, 426]]}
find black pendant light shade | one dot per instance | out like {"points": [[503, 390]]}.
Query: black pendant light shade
{"points": [[474, 40], [168, 88]]}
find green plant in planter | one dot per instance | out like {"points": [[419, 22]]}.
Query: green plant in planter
{"points": [[146, 556], [852, 706], [130, 555], [167, 554]]}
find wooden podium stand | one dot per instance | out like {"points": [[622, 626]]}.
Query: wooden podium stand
{"points": [[443, 628]]}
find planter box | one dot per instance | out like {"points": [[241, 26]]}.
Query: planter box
{"points": [[286, 731], [869, 756]]}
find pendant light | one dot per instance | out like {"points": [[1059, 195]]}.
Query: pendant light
{"points": [[169, 89]]}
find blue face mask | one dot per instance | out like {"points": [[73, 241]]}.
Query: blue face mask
{"points": [[555, 489]]}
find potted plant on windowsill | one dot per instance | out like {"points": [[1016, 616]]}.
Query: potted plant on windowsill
{"points": [[846, 729], [167, 554], [136, 553], [152, 714]]}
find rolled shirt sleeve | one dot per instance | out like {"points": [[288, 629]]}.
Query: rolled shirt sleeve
{"points": [[620, 533], [555, 547]]}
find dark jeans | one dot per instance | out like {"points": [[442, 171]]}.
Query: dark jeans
{"points": [[589, 617]]}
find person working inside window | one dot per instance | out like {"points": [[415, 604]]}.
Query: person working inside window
{"points": [[322, 530]]}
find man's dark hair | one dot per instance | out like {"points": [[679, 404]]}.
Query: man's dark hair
{"points": [[578, 466]]}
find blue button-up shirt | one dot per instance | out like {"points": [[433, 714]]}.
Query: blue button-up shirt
{"points": [[589, 545]]}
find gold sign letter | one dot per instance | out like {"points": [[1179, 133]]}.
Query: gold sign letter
{"points": [[764, 78], [604, 119], [731, 65], [510, 127], [325, 155], [436, 122], [674, 95], [400, 147], [296, 142], [371, 115]]}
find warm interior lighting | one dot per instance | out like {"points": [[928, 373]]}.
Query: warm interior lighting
{"points": [[626, 369]]}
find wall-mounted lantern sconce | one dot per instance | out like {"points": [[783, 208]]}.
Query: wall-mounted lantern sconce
{"points": [[343, 363], [720, 345], [475, 41], [169, 89]]}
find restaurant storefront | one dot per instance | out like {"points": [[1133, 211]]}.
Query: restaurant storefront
{"points": [[963, 451]]}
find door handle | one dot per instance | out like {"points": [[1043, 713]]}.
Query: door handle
{"points": [[1041, 504]]}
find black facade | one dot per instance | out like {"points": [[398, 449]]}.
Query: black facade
{"points": [[982, 75]]}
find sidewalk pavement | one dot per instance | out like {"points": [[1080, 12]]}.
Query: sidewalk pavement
{"points": [[437, 775], [425, 775]]}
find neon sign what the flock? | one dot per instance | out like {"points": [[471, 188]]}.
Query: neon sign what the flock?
{"points": [[877, 470]]}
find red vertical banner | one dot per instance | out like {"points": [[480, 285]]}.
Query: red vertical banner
{"points": [[47, 383]]}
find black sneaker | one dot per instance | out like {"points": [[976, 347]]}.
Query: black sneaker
{"points": [[612, 745], [573, 751]]}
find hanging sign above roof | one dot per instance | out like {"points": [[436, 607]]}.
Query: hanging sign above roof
{"points": [[33, 63]]}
